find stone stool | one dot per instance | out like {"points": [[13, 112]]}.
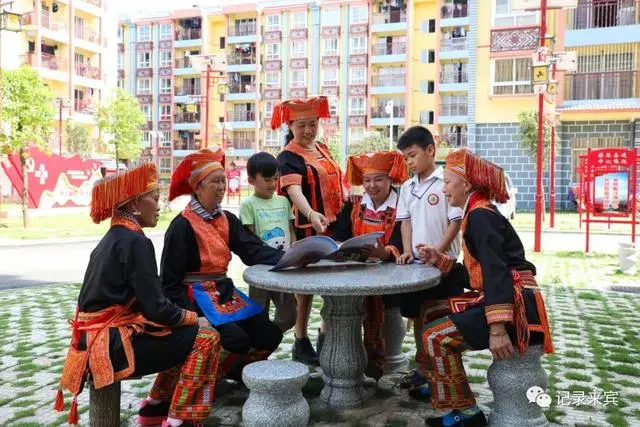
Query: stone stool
{"points": [[276, 397], [509, 381], [394, 331]]}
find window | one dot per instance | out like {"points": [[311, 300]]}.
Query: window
{"points": [[144, 33], [432, 25], [330, 77], [356, 134], [121, 83], [358, 15], [165, 32], [273, 22], [299, 20], [165, 85], [146, 110], [146, 138], [504, 17], [268, 109], [144, 59], [165, 139], [273, 51], [357, 106], [424, 117], [272, 79], [511, 76], [330, 17], [165, 165], [165, 112], [423, 87], [330, 47], [165, 58], [120, 34], [299, 78], [221, 44], [120, 61], [432, 56], [358, 45], [143, 86], [358, 76], [299, 49], [333, 106], [271, 138]]}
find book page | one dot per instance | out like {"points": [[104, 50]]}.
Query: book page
{"points": [[306, 251], [352, 249]]}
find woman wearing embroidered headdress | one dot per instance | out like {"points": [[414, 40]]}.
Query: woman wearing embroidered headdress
{"points": [[505, 308], [124, 326], [197, 251], [312, 181], [376, 211]]}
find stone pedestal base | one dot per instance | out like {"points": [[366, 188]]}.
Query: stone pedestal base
{"points": [[509, 381], [395, 329], [343, 358], [276, 397], [104, 406]]}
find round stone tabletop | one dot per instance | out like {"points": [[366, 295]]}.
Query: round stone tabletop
{"points": [[337, 279]]}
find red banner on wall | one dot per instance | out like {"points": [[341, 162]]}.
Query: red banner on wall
{"points": [[54, 181]]}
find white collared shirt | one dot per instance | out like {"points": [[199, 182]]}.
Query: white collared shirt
{"points": [[429, 211], [391, 202]]}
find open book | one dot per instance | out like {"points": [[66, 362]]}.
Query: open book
{"points": [[315, 248]]}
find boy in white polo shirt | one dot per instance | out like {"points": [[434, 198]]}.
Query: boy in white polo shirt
{"points": [[427, 219]]}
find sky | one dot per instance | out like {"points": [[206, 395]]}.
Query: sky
{"points": [[125, 6]]}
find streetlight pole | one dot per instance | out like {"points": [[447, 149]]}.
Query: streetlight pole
{"points": [[389, 109], [206, 106], [538, 216], [60, 126]]}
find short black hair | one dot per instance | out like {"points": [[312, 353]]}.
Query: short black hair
{"points": [[262, 163], [415, 135]]}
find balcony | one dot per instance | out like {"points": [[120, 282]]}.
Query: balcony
{"points": [[454, 10], [330, 61], [330, 88], [242, 119], [50, 62], [384, 53], [86, 34], [186, 144], [88, 71], [298, 34], [602, 86], [184, 117], [271, 64], [331, 122], [359, 59], [359, 29], [188, 34], [514, 39], [380, 117], [454, 81], [243, 143], [391, 21], [453, 43], [298, 92], [597, 22], [384, 84], [454, 139], [184, 67], [239, 62], [358, 90], [272, 35], [330, 32], [242, 92], [83, 106], [298, 63], [242, 31], [272, 93], [357, 118], [187, 90], [453, 110], [46, 21]]}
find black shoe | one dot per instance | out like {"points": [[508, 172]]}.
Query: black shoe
{"points": [[303, 352], [421, 392], [319, 342], [461, 420], [373, 371], [152, 415]]}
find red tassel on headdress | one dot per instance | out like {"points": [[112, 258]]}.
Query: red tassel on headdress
{"points": [[399, 172], [181, 178], [73, 413], [486, 176], [59, 405]]}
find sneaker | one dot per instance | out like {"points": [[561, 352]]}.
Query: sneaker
{"points": [[421, 392], [319, 342], [152, 415], [303, 352], [456, 418], [412, 379]]}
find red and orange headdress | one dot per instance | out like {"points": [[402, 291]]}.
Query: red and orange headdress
{"points": [[387, 162], [193, 169], [295, 109], [115, 190], [483, 175]]}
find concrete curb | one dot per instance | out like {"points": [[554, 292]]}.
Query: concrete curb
{"points": [[11, 243]]}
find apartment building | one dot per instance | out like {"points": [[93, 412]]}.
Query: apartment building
{"points": [[66, 42], [460, 67]]}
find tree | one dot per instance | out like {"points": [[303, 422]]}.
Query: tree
{"points": [[528, 135], [122, 119], [77, 139], [371, 142], [27, 117]]}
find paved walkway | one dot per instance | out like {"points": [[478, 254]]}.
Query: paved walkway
{"points": [[597, 338]]}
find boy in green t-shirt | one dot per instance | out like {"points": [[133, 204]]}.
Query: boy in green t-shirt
{"points": [[269, 216]]}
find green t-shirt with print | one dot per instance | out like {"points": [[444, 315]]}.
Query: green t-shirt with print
{"points": [[270, 219]]}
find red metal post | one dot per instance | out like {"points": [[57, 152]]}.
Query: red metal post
{"points": [[587, 197], [538, 219], [60, 127], [634, 192], [552, 185], [206, 108]]}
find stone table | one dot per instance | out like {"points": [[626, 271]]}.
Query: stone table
{"points": [[343, 287]]}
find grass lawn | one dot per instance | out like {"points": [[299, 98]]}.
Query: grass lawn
{"points": [[567, 221]]}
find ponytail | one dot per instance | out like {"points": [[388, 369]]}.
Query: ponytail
{"points": [[289, 137]]}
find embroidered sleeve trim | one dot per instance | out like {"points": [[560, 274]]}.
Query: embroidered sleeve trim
{"points": [[392, 251], [189, 318], [499, 313], [445, 263], [291, 179]]}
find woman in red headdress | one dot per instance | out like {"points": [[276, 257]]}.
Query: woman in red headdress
{"points": [[505, 308], [125, 327], [312, 181], [197, 251]]}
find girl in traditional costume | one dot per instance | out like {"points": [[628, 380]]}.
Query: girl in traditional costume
{"points": [[376, 212], [125, 327], [197, 251], [312, 181], [505, 308]]}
